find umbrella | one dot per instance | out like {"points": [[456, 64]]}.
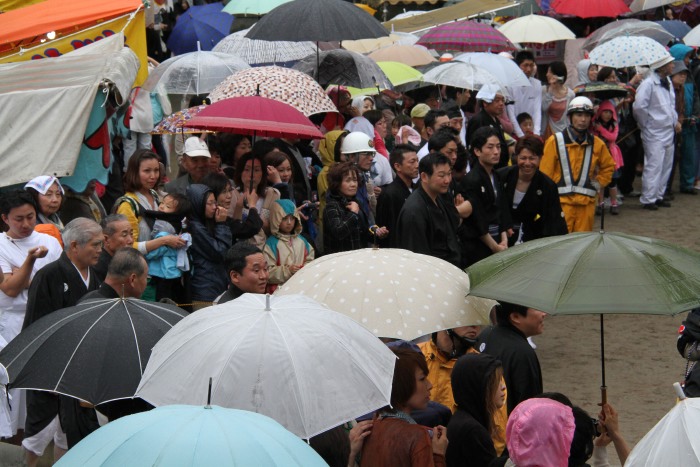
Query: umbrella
{"points": [[590, 8], [625, 51], [344, 68], [536, 29], [505, 70], [399, 75], [639, 5], [693, 37], [365, 46], [183, 435], [411, 55], [193, 73], [675, 27], [256, 53], [255, 116], [252, 7], [598, 33], [602, 90], [393, 293], [327, 20], [286, 357], [638, 28], [176, 123], [461, 75], [205, 25], [466, 36], [95, 351], [592, 272], [673, 440], [281, 84]]}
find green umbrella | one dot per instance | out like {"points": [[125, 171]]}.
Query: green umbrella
{"points": [[592, 273], [252, 7], [398, 74]]}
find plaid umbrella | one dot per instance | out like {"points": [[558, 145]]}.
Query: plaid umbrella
{"points": [[175, 123], [281, 84], [466, 36], [255, 52]]}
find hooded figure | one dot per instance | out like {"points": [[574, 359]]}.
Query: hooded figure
{"points": [[285, 253], [582, 67], [210, 241], [608, 133], [329, 156], [469, 430]]}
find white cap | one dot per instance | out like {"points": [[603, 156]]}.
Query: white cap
{"points": [[488, 92], [662, 62], [195, 147]]}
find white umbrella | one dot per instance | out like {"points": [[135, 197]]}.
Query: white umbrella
{"points": [[193, 73], [637, 28], [392, 292], [505, 70], [462, 75], [291, 359], [365, 46], [672, 441], [257, 52], [640, 5], [536, 28], [693, 37], [625, 51]]}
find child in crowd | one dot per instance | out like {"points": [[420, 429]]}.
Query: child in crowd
{"points": [[605, 126], [526, 123], [166, 264], [286, 251]]}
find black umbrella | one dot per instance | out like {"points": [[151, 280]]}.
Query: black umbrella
{"points": [[344, 68], [95, 351], [602, 90], [317, 20]]}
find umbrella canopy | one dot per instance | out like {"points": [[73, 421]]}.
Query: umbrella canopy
{"points": [[461, 75], [640, 5], [602, 90], [252, 7], [505, 70], [638, 28], [536, 28], [176, 123], [256, 53], [590, 8], [255, 116], [286, 357], [675, 27], [393, 293], [402, 77], [625, 51], [693, 37], [365, 46], [592, 272], [410, 55], [598, 33], [110, 340], [466, 36], [193, 73], [183, 435], [329, 20], [344, 68], [200, 26], [673, 440], [281, 84]]}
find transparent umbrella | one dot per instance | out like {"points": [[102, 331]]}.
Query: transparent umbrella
{"points": [[257, 52], [505, 70], [462, 75], [637, 28], [344, 68]]}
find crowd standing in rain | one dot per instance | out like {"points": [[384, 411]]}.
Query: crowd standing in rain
{"points": [[200, 218]]}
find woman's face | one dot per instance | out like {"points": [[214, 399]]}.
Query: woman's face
{"points": [[348, 187], [606, 116], [243, 147], [285, 170], [225, 197], [210, 206], [214, 162], [528, 162], [51, 201], [257, 174], [380, 127], [593, 72], [499, 397], [21, 221], [149, 173], [551, 78], [421, 396], [367, 105], [612, 78]]}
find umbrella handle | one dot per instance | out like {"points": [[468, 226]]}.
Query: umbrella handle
{"points": [[603, 395]]}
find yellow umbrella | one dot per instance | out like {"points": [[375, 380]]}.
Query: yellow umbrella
{"points": [[398, 74], [367, 8]]}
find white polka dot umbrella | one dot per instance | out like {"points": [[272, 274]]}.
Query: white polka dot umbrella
{"points": [[393, 293], [625, 51]]}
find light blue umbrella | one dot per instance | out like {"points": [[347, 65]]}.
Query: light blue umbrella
{"points": [[187, 435]]}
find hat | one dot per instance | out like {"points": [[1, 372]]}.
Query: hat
{"points": [[446, 57], [42, 184], [678, 67], [195, 147], [420, 111], [679, 51], [488, 92], [658, 64]]}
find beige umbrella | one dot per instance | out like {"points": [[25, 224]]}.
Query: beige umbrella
{"points": [[411, 55], [365, 46], [393, 293], [536, 28]]}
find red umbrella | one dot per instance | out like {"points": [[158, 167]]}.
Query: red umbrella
{"points": [[256, 116], [466, 36], [590, 8]]}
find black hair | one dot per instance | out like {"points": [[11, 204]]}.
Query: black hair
{"points": [[432, 116], [430, 161], [183, 203], [440, 139], [582, 443], [216, 182], [522, 117], [523, 55], [402, 120], [481, 137], [373, 116], [504, 310], [532, 143], [397, 154], [333, 446], [558, 69], [14, 199], [235, 257]]}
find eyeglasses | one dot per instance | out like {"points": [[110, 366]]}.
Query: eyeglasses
{"points": [[366, 154]]}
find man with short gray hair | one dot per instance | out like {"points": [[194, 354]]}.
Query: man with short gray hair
{"points": [[127, 276], [117, 233]]}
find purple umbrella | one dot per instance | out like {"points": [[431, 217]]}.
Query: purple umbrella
{"points": [[466, 36], [205, 24]]}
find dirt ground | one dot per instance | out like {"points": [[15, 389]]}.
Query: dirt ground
{"points": [[641, 358]]}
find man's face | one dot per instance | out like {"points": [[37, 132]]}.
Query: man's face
{"points": [[457, 123], [528, 67], [88, 254], [580, 121], [450, 150], [121, 237], [439, 182], [253, 278], [409, 165], [440, 122], [462, 97], [197, 167], [532, 324], [496, 107], [490, 153], [364, 160]]}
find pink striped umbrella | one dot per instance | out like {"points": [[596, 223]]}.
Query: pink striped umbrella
{"points": [[466, 36]]}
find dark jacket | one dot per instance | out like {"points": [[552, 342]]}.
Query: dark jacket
{"points": [[426, 227], [389, 204], [539, 213], [468, 430], [521, 368], [102, 264], [483, 119], [231, 293], [105, 291], [209, 278], [343, 230]]}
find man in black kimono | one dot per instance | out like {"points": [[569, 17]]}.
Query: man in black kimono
{"points": [[59, 285], [493, 104], [507, 341], [404, 161], [425, 225]]}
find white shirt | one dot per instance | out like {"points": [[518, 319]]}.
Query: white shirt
{"points": [[527, 99], [654, 109], [380, 171]]}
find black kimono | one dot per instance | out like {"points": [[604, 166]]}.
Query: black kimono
{"points": [[483, 119], [539, 213], [389, 204], [428, 228]]}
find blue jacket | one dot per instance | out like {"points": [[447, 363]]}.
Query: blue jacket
{"points": [[162, 262]]}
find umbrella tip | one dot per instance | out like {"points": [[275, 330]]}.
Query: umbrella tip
{"points": [[679, 391], [267, 302]]}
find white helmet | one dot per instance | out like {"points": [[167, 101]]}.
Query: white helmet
{"points": [[355, 142], [580, 104]]}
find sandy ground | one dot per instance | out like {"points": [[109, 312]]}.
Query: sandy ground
{"points": [[641, 358]]}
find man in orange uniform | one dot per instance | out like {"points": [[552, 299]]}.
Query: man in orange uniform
{"points": [[579, 163]]}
